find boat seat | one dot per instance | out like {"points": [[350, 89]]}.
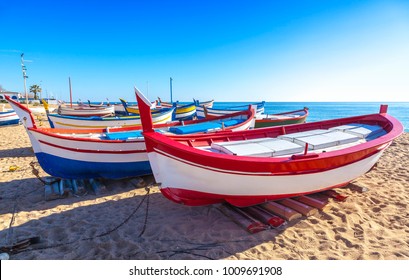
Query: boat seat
{"points": [[124, 135], [292, 136], [263, 147], [203, 127], [364, 131], [325, 140]]}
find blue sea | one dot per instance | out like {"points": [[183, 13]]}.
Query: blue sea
{"points": [[331, 110]]}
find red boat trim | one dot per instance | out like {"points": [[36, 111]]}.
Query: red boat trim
{"points": [[196, 198], [93, 151], [12, 113]]}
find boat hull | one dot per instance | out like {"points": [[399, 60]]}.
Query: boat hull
{"points": [[215, 185], [58, 121], [77, 169], [9, 118], [207, 112], [87, 158], [86, 111]]}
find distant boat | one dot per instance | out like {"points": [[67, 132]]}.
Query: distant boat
{"points": [[250, 167], [207, 104], [8, 117], [286, 118], [101, 104], [120, 108], [183, 111], [215, 112], [59, 121], [86, 111], [267, 120], [110, 152]]}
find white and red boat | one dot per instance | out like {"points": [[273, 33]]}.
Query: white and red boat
{"points": [[250, 167]]}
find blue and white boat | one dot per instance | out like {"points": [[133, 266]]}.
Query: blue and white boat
{"points": [[110, 152], [204, 112], [8, 117]]}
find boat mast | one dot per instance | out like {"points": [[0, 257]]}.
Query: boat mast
{"points": [[171, 98], [69, 82], [24, 69]]}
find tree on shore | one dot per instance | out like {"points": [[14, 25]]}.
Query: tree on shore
{"points": [[35, 89]]}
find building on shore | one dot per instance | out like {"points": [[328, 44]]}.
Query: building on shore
{"points": [[13, 95]]}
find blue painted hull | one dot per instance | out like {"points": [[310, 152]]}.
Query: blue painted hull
{"points": [[74, 169], [9, 122]]}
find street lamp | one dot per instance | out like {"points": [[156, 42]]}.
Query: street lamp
{"points": [[24, 69]]}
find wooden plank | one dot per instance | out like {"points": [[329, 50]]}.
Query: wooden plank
{"points": [[333, 194], [319, 196], [280, 210], [242, 219], [264, 216], [304, 209], [311, 202]]}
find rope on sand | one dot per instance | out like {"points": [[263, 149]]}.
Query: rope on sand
{"points": [[146, 196]]}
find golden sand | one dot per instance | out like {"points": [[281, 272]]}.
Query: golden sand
{"points": [[121, 222]]}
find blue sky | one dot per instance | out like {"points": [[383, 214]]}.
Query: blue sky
{"points": [[223, 50]]}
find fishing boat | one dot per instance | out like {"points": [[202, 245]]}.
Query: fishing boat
{"points": [[267, 120], [183, 111], [207, 104], [203, 111], [286, 118], [59, 121], [111, 152], [8, 117], [86, 111], [251, 167], [120, 108], [166, 104]]}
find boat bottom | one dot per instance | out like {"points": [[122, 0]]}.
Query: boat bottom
{"points": [[196, 198], [9, 122], [76, 169]]}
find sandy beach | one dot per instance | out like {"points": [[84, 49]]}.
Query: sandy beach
{"points": [[120, 221]]}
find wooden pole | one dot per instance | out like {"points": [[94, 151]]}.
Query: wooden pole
{"points": [[171, 99], [69, 82]]}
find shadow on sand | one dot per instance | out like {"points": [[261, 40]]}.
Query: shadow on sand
{"points": [[108, 225], [17, 152]]}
